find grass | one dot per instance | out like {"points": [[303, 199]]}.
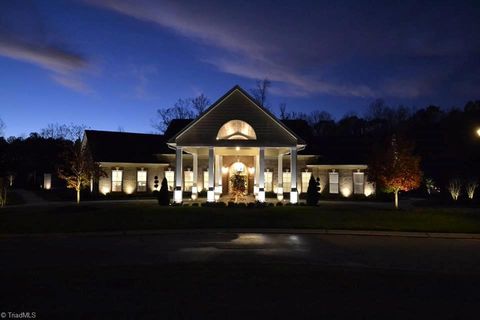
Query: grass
{"points": [[142, 216]]}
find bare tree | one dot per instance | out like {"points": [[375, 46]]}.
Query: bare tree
{"points": [[3, 191], [283, 110], [187, 108], [316, 117], [180, 110], [2, 128], [260, 92], [200, 103], [71, 132], [79, 168], [378, 110]]}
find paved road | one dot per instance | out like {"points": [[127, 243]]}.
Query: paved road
{"points": [[230, 275]]}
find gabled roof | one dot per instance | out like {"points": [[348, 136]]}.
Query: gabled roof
{"points": [[212, 120], [175, 126], [109, 146]]}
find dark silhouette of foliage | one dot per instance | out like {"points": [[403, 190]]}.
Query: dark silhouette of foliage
{"points": [[163, 196], [312, 192]]}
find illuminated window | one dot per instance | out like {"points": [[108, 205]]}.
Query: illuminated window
{"points": [[305, 180], [268, 181], [333, 182], [287, 181], [117, 180], [236, 130], [170, 175], [141, 180], [358, 182], [205, 180], [188, 180]]}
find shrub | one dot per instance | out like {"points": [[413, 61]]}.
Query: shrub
{"points": [[454, 187], [471, 187], [279, 204], [312, 192], [163, 196]]}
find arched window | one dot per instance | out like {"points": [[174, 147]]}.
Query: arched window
{"points": [[236, 130]]}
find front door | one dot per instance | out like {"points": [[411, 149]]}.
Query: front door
{"points": [[241, 169]]}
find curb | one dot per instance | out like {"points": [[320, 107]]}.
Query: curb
{"points": [[432, 235]]}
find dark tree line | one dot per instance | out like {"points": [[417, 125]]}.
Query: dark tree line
{"points": [[27, 159], [446, 140]]}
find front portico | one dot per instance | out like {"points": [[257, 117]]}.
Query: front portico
{"points": [[236, 129]]}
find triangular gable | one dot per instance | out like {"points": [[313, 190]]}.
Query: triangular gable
{"points": [[236, 104]]}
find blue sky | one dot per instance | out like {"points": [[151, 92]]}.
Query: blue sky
{"points": [[112, 63]]}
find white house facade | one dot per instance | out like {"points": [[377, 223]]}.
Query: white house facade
{"points": [[233, 136]]}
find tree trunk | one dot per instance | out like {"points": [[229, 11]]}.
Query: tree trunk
{"points": [[78, 195], [396, 199]]}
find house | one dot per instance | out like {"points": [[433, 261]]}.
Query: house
{"points": [[233, 136]]}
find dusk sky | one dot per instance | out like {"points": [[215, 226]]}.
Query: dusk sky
{"points": [[112, 63]]}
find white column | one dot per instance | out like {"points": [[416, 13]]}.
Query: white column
{"points": [[261, 175], [293, 170], [195, 176], [280, 178], [211, 179], [220, 175], [255, 177], [177, 193]]}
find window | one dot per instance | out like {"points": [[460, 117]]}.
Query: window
{"points": [[236, 130], [305, 180], [170, 177], [117, 176], [287, 181], [188, 181], [205, 180], [358, 182], [268, 181], [333, 182], [141, 180]]}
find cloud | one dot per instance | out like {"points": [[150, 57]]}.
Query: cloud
{"points": [[22, 38], [252, 57], [72, 83], [305, 47], [51, 58]]}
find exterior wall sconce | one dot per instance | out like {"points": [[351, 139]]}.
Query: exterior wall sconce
{"points": [[237, 148], [224, 170], [251, 170]]}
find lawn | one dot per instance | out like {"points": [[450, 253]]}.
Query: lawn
{"points": [[143, 216]]}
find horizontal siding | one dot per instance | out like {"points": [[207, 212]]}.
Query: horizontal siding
{"points": [[236, 107]]}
